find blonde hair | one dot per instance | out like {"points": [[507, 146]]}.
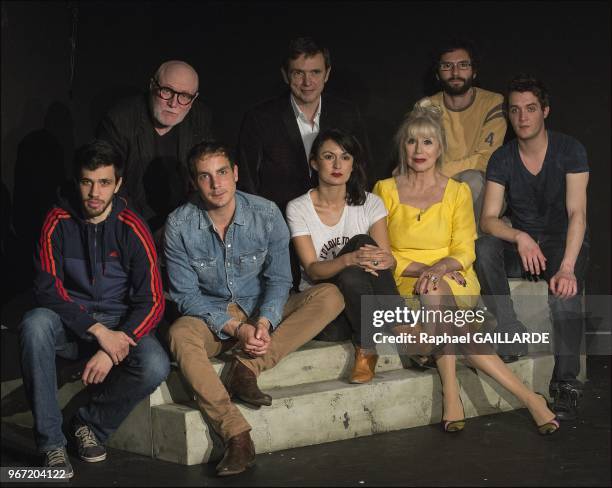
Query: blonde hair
{"points": [[425, 120]]}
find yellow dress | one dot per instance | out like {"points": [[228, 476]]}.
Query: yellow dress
{"points": [[445, 229]]}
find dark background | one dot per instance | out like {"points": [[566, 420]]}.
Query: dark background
{"points": [[380, 55]]}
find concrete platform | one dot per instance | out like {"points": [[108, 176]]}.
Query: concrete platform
{"points": [[315, 362], [333, 410], [312, 401], [167, 425]]}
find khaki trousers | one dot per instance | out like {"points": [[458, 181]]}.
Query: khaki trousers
{"points": [[193, 344]]}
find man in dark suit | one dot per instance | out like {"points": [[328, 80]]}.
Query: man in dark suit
{"points": [[276, 135]]}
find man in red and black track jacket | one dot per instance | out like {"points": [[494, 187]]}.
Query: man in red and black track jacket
{"points": [[109, 267], [100, 296]]}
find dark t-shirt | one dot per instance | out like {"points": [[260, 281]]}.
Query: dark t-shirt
{"points": [[537, 202]]}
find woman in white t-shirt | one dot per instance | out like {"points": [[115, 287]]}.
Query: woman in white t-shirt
{"points": [[339, 232]]}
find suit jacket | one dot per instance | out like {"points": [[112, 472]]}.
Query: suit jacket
{"points": [[128, 127], [272, 162]]}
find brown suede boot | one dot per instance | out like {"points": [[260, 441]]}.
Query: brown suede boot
{"points": [[241, 383], [239, 455], [365, 364]]}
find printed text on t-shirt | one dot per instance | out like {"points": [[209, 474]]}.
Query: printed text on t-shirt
{"points": [[331, 249]]}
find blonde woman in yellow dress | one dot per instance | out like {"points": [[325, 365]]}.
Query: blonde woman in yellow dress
{"points": [[432, 232]]}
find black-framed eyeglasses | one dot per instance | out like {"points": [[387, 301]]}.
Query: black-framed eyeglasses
{"points": [[167, 93], [447, 65]]}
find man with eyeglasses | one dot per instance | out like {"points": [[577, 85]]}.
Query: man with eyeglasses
{"points": [[473, 118], [154, 133]]}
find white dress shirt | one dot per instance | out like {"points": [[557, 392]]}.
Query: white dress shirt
{"points": [[308, 130]]}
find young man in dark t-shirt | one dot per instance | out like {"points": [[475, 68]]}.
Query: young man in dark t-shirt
{"points": [[544, 175]]}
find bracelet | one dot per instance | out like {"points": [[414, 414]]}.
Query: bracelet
{"points": [[238, 328]]}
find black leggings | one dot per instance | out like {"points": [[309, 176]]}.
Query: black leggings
{"points": [[354, 282]]}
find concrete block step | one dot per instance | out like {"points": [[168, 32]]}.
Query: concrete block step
{"points": [[314, 362], [530, 300], [332, 410], [134, 434], [396, 399]]}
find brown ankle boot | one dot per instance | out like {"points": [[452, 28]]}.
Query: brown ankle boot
{"points": [[239, 455], [241, 383], [365, 364]]}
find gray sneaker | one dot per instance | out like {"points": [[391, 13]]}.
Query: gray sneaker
{"points": [[90, 449], [58, 459]]}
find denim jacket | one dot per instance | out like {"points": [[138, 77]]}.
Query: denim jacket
{"points": [[250, 268]]}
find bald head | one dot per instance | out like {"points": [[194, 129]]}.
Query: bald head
{"points": [[178, 77], [178, 71]]}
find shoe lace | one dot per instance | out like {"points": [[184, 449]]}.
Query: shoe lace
{"points": [[55, 457], [86, 437]]}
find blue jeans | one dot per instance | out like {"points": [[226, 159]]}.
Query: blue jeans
{"points": [[42, 336], [496, 259]]}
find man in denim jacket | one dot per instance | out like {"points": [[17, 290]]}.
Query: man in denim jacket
{"points": [[227, 255]]}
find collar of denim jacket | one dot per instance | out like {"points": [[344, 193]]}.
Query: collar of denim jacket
{"points": [[238, 219]]}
